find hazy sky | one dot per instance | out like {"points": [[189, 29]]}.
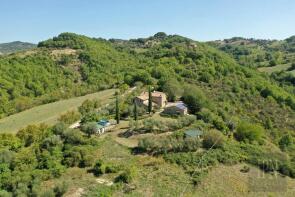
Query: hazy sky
{"points": [[36, 20]]}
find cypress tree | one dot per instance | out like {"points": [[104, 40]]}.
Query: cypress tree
{"points": [[135, 111], [150, 104], [117, 110]]}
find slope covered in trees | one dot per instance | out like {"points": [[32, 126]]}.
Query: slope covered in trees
{"points": [[71, 65], [247, 116], [275, 57]]}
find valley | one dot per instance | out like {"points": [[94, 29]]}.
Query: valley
{"points": [[158, 116]]}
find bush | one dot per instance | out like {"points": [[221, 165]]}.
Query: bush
{"points": [[89, 128], [213, 139], [60, 189], [195, 99], [127, 176], [248, 132], [168, 144], [69, 117], [99, 168], [112, 169], [59, 128], [286, 141]]}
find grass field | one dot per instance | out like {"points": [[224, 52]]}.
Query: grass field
{"points": [[49, 113], [230, 181], [155, 177], [269, 70]]}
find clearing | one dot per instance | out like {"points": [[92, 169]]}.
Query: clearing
{"points": [[49, 113], [272, 69]]}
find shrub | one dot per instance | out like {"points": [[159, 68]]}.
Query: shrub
{"points": [[195, 99], [112, 169], [127, 176], [213, 139], [60, 189], [59, 128], [73, 137], [285, 141], [99, 168], [69, 117], [245, 169], [89, 128], [248, 132]]}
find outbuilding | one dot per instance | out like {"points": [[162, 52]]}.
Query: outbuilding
{"points": [[176, 108], [193, 133]]}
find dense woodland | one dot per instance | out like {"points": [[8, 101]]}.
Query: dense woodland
{"points": [[250, 114]]}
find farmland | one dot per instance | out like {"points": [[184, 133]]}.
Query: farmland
{"points": [[49, 113]]}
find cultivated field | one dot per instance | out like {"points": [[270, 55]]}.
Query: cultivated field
{"points": [[49, 113]]}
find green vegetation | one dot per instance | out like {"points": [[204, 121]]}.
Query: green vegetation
{"points": [[248, 132], [245, 116], [49, 113]]}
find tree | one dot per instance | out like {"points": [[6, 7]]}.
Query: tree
{"points": [[88, 106], [213, 139], [248, 132], [150, 104], [89, 128], [135, 111], [117, 110], [172, 89], [286, 141], [195, 99], [69, 117]]}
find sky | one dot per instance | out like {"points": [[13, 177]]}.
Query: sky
{"points": [[202, 20]]}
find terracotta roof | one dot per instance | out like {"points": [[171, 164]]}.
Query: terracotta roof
{"points": [[145, 95], [158, 94]]}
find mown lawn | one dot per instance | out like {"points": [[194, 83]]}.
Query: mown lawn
{"points": [[49, 113]]}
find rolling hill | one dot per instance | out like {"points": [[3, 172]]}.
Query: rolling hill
{"points": [[248, 117], [12, 47]]}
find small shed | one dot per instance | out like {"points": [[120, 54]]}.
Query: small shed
{"points": [[193, 133]]}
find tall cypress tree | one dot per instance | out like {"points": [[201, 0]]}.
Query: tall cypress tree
{"points": [[150, 104], [135, 111], [117, 110]]}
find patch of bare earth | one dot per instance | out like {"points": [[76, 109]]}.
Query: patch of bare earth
{"points": [[75, 192], [58, 52]]}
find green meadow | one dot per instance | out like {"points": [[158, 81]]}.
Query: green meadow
{"points": [[49, 113]]}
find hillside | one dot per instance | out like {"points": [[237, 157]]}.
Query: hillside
{"points": [[258, 53], [274, 57], [12, 47], [246, 116]]}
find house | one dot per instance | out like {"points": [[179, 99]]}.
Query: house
{"points": [[193, 133], [177, 108], [159, 99]]}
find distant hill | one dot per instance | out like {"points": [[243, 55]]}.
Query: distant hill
{"points": [[16, 46], [257, 52]]}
